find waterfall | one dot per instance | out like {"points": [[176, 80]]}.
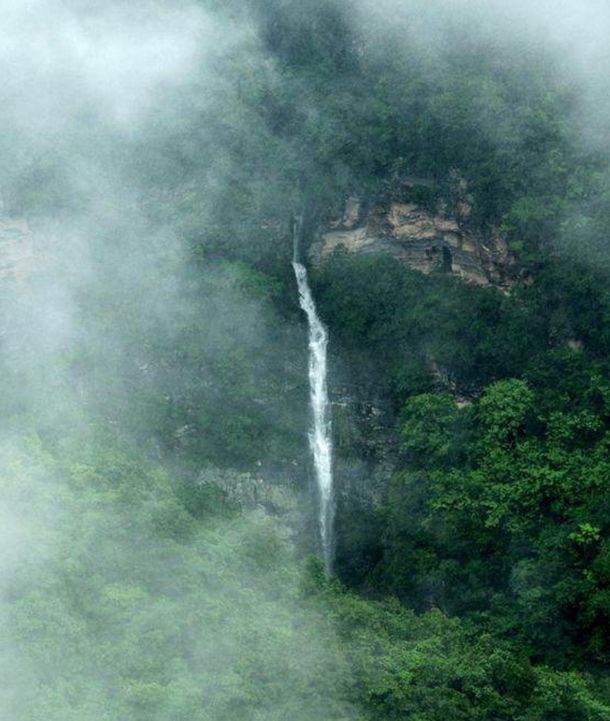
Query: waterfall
{"points": [[320, 440]]}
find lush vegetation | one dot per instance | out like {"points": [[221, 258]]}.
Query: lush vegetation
{"points": [[133, 596], [143, 369]]}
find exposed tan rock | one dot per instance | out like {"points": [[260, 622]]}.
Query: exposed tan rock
{"points": [[351, 214], [454, 240], [352, 240], [468, 246], [408, 221], [463, 210], [428, 241]]}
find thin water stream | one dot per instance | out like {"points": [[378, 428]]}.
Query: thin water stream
{"points": [[320, 440]]}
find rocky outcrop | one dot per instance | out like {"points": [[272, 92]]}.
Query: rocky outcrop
{"points": [[365, 445], [427, 237], [250, 491]]}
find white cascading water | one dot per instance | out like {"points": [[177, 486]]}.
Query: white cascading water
{"points": [[320, 440]]}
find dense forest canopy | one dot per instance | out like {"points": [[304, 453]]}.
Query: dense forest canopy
{"points": [[157, 512]]}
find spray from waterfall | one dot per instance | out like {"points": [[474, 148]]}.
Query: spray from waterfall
{"points": [[320, 440]]}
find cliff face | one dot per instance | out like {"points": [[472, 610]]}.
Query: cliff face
{"points": [[439, 239]]}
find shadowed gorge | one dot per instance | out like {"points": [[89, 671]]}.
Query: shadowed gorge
{"points": [[304, 360]]}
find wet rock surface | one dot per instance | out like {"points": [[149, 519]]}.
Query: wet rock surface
{"points": [[251, 491]]}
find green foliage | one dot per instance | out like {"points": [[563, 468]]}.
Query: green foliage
{"points": [[116, 604], [432, 667], [510, 526], [429, 428], [133, 592], [423, 332], [108, 613]]}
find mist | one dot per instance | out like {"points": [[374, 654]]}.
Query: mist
{"points": [[159, 514], [571, 35], [115, 341]]}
